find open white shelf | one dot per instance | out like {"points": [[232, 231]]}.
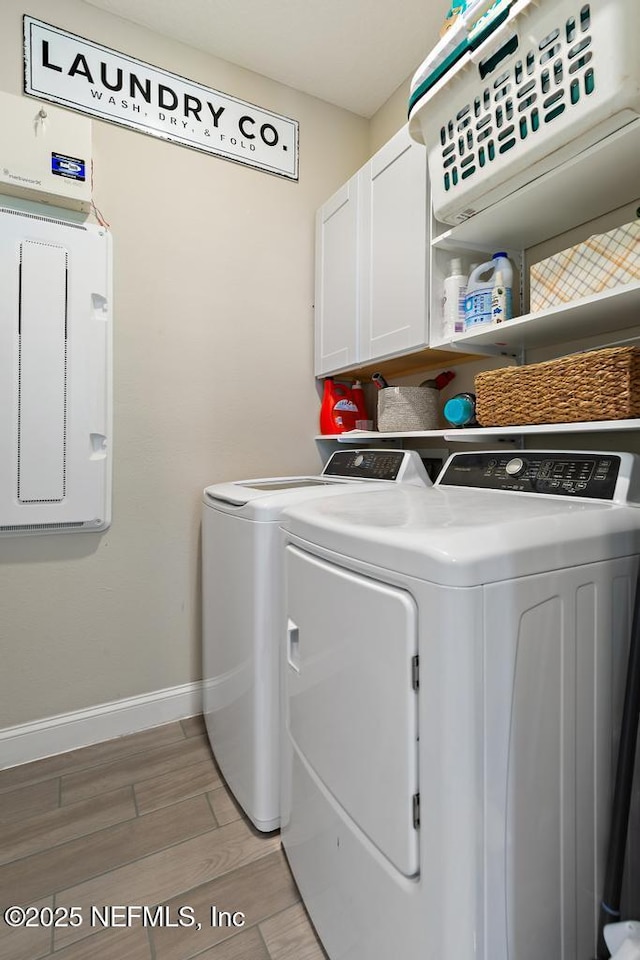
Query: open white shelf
{"points": [[558, 200], [485, 434], [614, 309]]}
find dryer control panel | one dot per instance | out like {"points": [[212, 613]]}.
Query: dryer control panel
{"points": [[401, 466], [590, 475]]}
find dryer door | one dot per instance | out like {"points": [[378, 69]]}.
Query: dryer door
{"points": [[352, 706]]}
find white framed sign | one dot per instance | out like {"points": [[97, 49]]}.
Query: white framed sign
{"points": [[86, 76]]}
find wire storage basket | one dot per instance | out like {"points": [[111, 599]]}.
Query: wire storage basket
{"points": [[597, 385], [556, 74]]}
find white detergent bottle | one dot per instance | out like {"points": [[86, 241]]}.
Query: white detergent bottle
{"points": [[477, 307], [501, 309], [453, 306]]}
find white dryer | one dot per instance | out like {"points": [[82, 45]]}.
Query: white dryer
{"points": [[454, 675], [242, 608]]}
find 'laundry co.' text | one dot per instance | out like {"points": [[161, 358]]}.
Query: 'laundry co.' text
{"points": [[93, 79]]}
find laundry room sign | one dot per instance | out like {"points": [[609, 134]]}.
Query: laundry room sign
{"points": [[91, 78]]}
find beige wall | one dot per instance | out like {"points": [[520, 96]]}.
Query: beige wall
{"points": [[213, 378], [390, 117]]}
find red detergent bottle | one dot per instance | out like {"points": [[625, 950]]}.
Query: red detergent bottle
{"points": [[338, 411]]}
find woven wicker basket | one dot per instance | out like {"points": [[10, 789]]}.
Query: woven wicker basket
{"points": [[600, 385]]}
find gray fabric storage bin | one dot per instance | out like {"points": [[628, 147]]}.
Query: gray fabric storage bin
{"points": [[408, 408]]}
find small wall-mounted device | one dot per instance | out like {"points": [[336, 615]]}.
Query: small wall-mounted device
{"points": [[45, 153]]}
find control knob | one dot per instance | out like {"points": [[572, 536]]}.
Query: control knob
{"points": [[515, 467]]}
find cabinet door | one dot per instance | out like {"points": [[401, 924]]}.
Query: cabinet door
{"points": [[336, 309], [394, 222]]}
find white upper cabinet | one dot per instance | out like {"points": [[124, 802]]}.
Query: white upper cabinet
{"points": [[337, 293], [372, 248], [395, 248]]}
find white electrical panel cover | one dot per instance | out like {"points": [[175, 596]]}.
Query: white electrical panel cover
{"points": [[55, 375]]}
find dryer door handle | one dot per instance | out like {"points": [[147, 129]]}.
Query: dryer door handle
{"points": [[293, 645]]}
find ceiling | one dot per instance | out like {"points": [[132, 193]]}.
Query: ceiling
{"points": [[352, 53]]}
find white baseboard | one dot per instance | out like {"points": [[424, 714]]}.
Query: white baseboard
{"points": [[81, 728]]}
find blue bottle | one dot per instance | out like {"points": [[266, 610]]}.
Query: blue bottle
{"points": [[460, 411]]}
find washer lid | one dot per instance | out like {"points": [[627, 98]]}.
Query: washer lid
{"points": [[466, 537], [264, 499]]}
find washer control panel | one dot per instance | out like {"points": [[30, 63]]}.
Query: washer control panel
{"points": [[369, 464], [590, 475]]}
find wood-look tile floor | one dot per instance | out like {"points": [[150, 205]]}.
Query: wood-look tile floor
{"points": [[144, 820]]}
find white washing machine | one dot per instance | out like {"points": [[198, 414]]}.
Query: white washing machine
{"points": [[242, 607], [454, 674]]}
